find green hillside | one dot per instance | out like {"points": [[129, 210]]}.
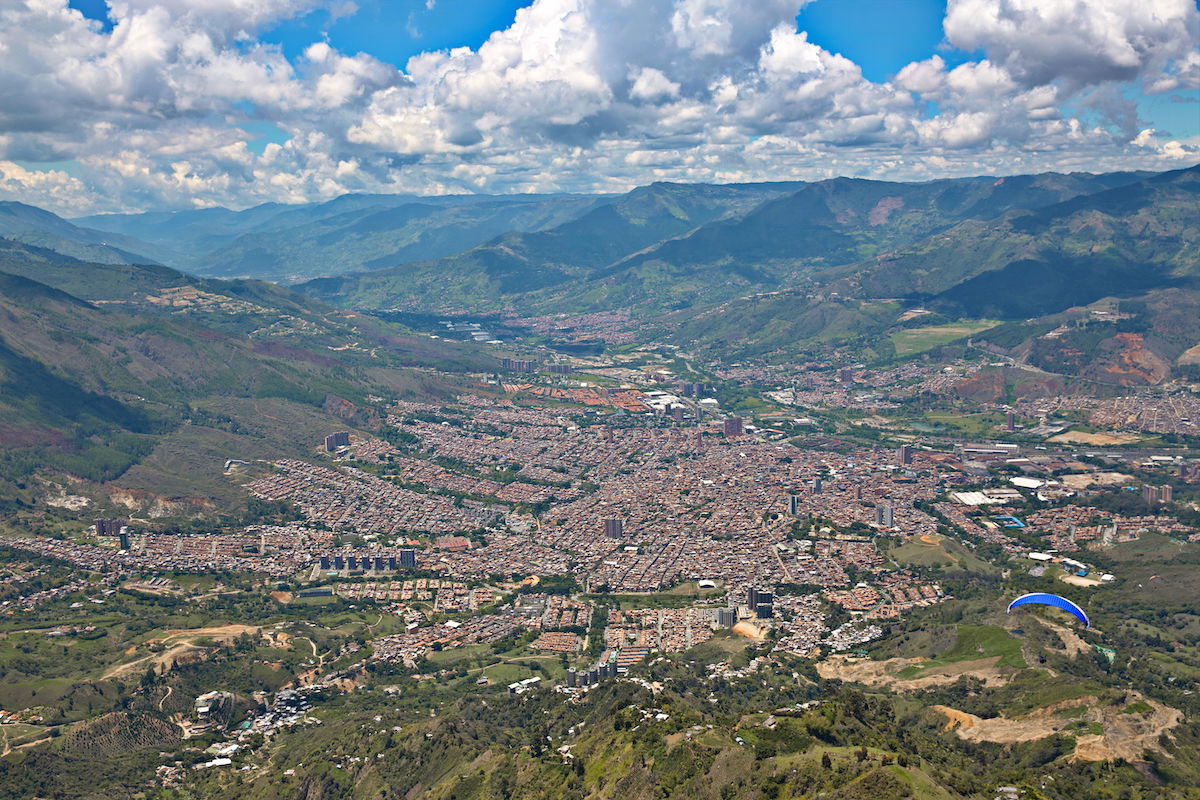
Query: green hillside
{"points": [[92, 387], [1121, 241], [551, 260]]}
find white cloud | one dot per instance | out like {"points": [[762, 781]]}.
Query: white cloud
{"points": [[575, 94], [651, 85], [45, 188], [1079, 42]]}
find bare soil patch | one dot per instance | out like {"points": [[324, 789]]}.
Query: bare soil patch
{"points": [[1074, 645], [184, 651], [1083, 481], [749, 630], [1127, 734], [885, 673], [1101, 439]]}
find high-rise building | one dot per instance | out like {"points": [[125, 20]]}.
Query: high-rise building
{"points": [[123, 538], [1166, 494], [818, 486], [1010, 421], [109, 527], [339, 562], [560, 369], [733, 426], [614, 528], [608, 434], [757, 597], [335, 440], [885, 515], [726, 617], [794, 505], [846, 375], [379, 564], [352, 562], [1150, 495], [904, 454], [760, 603], [408, 559], [325, 562], [677, 413]]}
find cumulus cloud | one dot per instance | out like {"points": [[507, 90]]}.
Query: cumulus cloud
{"points": [[1080, 42], [575, 94], [46, 188]]}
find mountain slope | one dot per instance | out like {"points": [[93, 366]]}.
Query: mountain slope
{"points": [[41, 228], [92, 389], [382, 237], [520, 263], [1125, 240], [352, 232], [784, 241], [1139, 241]]}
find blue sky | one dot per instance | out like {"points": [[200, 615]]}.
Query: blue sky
{"points": [[233, 102], [881, 36]]}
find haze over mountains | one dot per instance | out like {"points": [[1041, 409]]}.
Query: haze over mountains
{"points": [[752, 269]]}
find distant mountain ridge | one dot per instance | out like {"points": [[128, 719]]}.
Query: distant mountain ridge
{"points": [[515, 264], [353, 232], [1037, 269], [35, 226], [753, 269], [670, 246]]}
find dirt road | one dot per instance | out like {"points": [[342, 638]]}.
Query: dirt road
{"points": [[164, 661]]}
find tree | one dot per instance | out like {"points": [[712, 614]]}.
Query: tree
{"points": [[826, 761]]}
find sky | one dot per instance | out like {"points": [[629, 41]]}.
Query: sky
{"points": [[131, 105]]}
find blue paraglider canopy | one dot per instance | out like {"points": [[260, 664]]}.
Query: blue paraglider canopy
{"points": [[1044, 599]]}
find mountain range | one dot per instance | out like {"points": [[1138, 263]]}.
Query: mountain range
{"points": [[773, 270]]}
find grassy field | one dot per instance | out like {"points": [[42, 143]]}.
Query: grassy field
{"points": [[974, 642], [911, 341], [965, 424], [939, 551]]}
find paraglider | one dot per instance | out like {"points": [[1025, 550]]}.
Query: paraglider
{"points": [[1044, 599]]}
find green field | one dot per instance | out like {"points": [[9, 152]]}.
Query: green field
{"points": [[942, 552], [974, 642], [911, 341], [965, 424]]}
